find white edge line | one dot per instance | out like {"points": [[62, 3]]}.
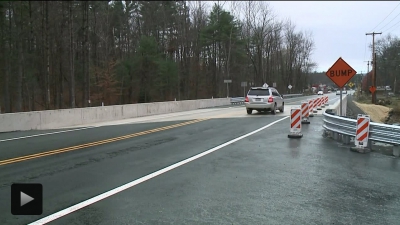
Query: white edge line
{"points": [[114, 191], [37, 135]]}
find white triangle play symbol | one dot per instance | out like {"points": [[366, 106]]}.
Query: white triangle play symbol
{"points": [[25, 198]]}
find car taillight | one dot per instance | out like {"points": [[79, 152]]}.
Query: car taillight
{"points": [[270, 99], [246, 99]]}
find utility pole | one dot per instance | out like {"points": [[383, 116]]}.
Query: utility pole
{"points": [[367, 65], [368, 79], [359, 82], [373, 64]]}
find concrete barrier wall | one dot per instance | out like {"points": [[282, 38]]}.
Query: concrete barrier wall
{"points": [[20, 121], [336, 106], [53, 119], [59, 118]]}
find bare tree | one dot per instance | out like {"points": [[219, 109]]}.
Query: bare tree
{"points": [[144, 51], [71, 57]]}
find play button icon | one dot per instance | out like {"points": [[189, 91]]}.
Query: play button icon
{"points": [[26, 199]]}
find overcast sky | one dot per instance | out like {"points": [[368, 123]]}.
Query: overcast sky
{"points": [[339, 27]]}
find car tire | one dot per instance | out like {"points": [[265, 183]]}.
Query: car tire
{"points": [[273, 109], [249, 111], [282, 109]]}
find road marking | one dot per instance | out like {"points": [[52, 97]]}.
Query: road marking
{"points": [[186, 113], [37, 135], [140, 119], [114, 191], [96, 143]]}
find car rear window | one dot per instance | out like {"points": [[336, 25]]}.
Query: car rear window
{"points": [[258, 92]]}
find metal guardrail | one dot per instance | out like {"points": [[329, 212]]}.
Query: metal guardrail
{"points": [[240, 100], [237, 100], [384, 133], [292, 95]]}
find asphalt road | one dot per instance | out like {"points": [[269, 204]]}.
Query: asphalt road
{"points": [[260, 178]]}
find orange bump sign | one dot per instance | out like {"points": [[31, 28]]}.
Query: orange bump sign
{"points": [[340, 73]]}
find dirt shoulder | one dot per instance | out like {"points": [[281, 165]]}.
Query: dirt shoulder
{"points": [[385, 112], [377, 113]]}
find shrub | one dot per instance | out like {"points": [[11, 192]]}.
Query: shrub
{"points": [[362, 98], [396, 107]]}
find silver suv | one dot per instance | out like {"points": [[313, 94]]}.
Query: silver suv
{"points": [[264, 99]]}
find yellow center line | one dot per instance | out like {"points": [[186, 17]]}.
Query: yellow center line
{"points": [[96, 143]]}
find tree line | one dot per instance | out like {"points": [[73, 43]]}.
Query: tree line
{"points": [[387, 64], [67, 54]]}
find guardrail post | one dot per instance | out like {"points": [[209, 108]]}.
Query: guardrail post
{"points": [[335, 136], [396, 150], [346, 139]]}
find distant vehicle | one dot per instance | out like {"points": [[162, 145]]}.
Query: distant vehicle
{"points": [[343, 92], [320, 93], [264, 99]]}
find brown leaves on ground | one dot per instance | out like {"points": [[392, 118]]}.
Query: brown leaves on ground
{"points": [[377, 113]]}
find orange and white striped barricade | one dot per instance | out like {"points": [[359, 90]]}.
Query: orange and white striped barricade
{"points": [[362, 133], [315, 103], [319, 104], [326, 100], [295, 123], [310, 107], [305, 112], [322, 101]]}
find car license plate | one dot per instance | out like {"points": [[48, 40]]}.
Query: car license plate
{"points": [[258, 99]]}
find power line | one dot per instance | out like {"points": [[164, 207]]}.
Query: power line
{"points": [[365, 49], [392, 26], [390, 21], [386, 16]]}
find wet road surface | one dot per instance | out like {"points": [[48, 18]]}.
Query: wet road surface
{"points": [[264, 178]]}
